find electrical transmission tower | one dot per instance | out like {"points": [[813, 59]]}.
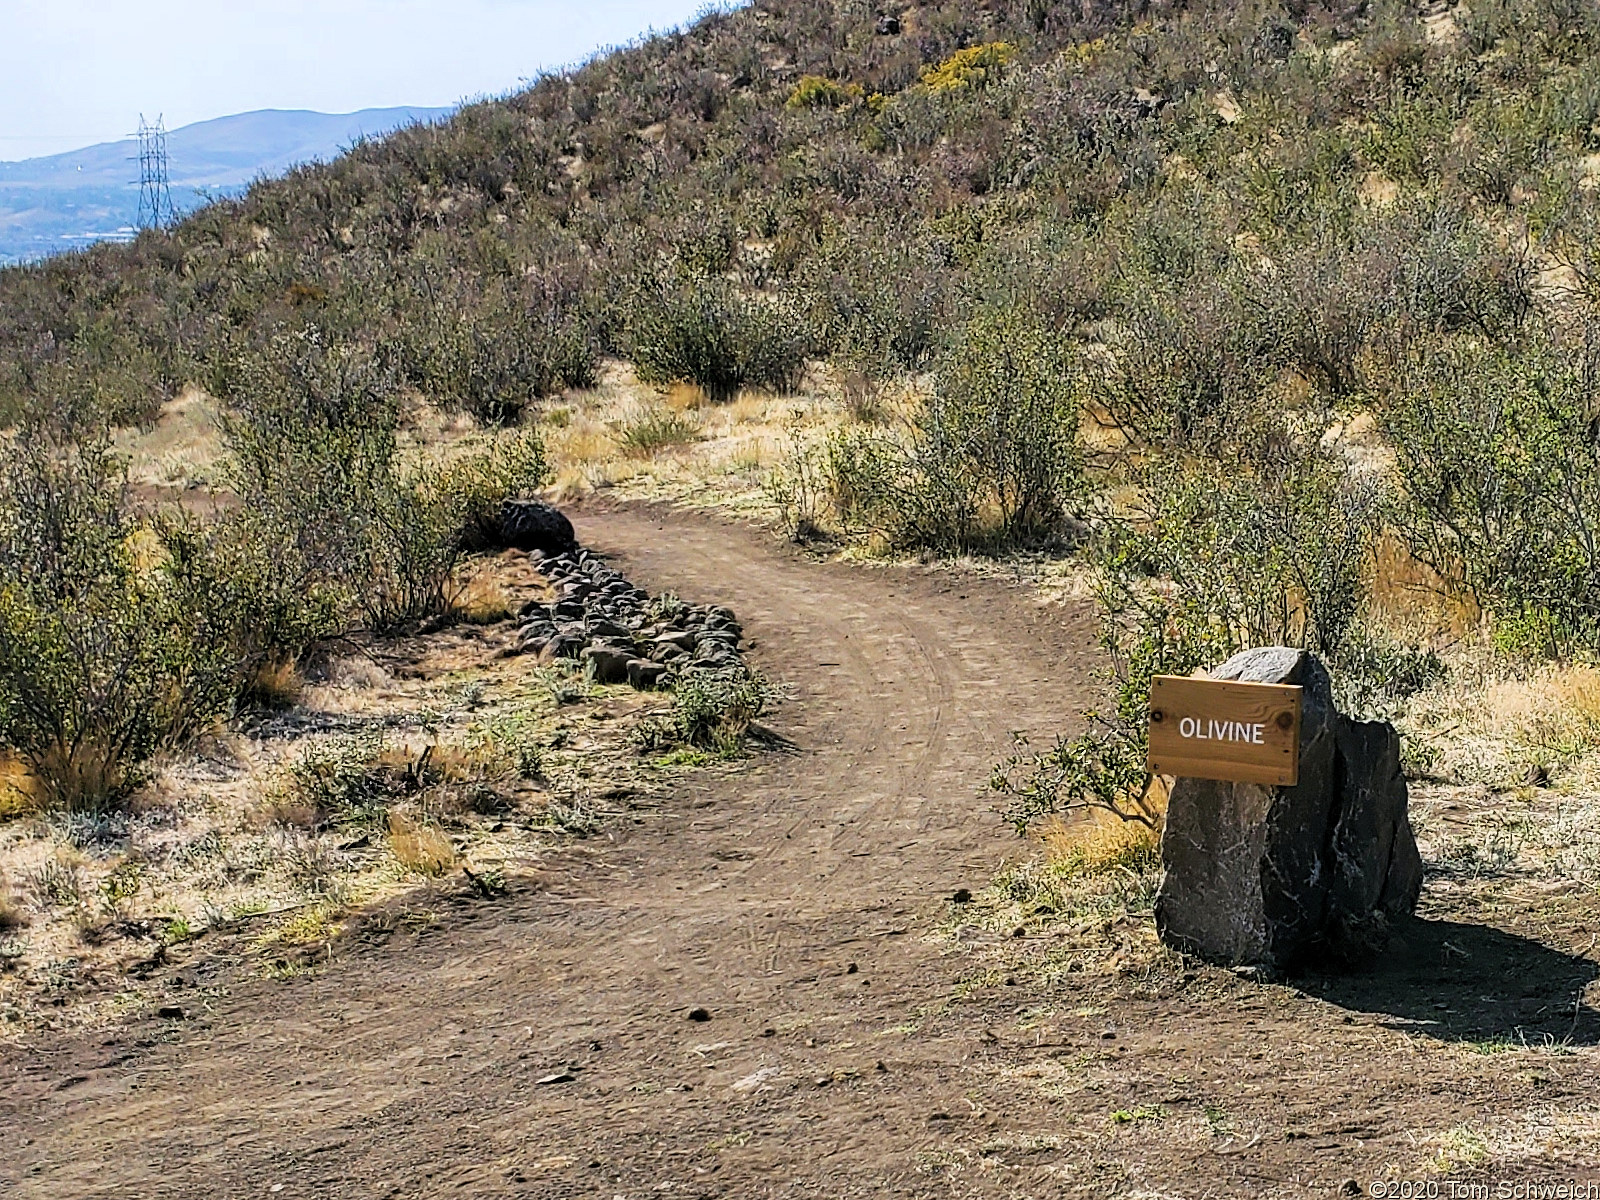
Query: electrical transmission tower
{"points": [[155, 197]]}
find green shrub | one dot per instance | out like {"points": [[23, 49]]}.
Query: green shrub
{"points": [[877, 298], [711, 709], [343, 780], [494, 351], [1004, 415], [1188, 362], [105, 659], [1501, 466], [310, 429], [717, 708], [704, 331], [1270, 553], [991, 461]]}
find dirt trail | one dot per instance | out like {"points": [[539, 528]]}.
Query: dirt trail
{"points": [[790, 899]]}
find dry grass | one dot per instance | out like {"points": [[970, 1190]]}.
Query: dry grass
{"points": [[674, 444], [274, 685], [419, 847], [1411, 597], [685, 397], [1495, 723], [80, 778], [482, 601], [19, 792], [1542, 1132], [180, 450], [1099, 842]]}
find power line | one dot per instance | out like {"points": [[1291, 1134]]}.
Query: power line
{"points": [[155, 196]]}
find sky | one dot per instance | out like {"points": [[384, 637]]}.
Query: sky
{"points": [[82, 71]]}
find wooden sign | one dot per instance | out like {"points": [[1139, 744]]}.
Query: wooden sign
{"points": [[1219, 729]]}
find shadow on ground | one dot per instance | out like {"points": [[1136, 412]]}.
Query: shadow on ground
{"points": [[1471, 983]]}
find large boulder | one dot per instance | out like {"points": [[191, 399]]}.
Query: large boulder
{"points": [[1270, 876], [534, 525]]}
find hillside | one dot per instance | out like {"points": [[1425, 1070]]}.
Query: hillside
{"points": [[884, 174], [60, 202], [922, 382]]}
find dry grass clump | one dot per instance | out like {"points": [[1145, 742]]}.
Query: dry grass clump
{"points": [[79, 778], [55, 883], [19, 793], [1100, 842], [645, 431], [685, 397], [1494, 722], [482, 601], [274, 685], [1408, 591], [420, 847], [1094, 868]]}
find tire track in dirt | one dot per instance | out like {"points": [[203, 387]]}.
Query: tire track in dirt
{"points": [[786, 897]]}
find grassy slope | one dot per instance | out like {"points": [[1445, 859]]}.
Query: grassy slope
{"points": [[1112, 158]]}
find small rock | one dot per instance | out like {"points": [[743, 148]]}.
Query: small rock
{"points": [[645, 675], [608, 664], [558, 1077], [699, 1014], [562, 645], [961, 896], [887, 26], [171, 1012]]}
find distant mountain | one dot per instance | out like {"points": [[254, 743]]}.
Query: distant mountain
{"points": [[67, 200]]}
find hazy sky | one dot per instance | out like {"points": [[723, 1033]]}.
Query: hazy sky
{"points": [[81, 71]]}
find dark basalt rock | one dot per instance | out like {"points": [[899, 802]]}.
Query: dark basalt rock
{"points": [[606, 664], [644, 674], [1273, 876], [535, 525]]}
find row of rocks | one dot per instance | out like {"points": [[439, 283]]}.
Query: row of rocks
{"points": [[619, 631]]}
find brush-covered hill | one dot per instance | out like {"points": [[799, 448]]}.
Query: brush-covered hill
{"points": [[66, 201], [1239, 185]]}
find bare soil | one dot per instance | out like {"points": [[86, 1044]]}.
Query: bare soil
{"points": [[766, 989]]}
